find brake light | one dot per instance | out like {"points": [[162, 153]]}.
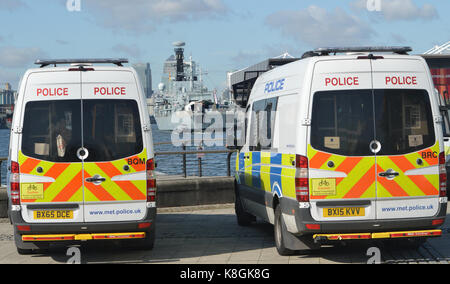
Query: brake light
{"points": [[442, 176], [15, 183], [144, 225], [438, 222], [23, 228], [313, 226], [151, 181], [301, 179]]}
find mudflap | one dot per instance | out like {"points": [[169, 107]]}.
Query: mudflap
{"points": [[28, 245], [299, 243]]}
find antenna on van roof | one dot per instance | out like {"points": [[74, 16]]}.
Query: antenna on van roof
{"points": [[46, 62], [329, 50]]}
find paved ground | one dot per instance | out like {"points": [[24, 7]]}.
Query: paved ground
{"points": [[212, 236]]}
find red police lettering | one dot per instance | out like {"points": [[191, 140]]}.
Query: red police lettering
{"points": [[346, 81], [51, 92], [110, 91], [401, 80]]}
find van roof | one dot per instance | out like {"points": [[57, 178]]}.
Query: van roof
{"points": [[365, 49], [66, 68], [300, 66], [349, 56], [115, 61]]}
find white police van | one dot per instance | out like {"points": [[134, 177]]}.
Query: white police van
{"points": [[344, 144], [81, 156]]}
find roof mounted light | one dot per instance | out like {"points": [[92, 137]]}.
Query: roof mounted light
{"points": [[46, 62], [395, 49]]}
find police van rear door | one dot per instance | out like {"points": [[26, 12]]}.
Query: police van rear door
{"points": [[342, 167], [115, 147], [408, 158], [50, 172]]}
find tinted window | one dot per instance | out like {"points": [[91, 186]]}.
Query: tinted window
{"points": [[52, 130], [262, 124], [111, 129], [404, 121], [342, 122]]}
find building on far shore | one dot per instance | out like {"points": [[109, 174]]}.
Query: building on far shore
{"points": [[145, 76]]}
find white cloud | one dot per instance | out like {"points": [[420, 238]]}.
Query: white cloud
{"points": [[147, 15], [400, 10], [15, 57], [318, 27]]}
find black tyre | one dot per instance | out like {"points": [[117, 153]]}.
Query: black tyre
{"points": [[243, 218], [279, 230]]}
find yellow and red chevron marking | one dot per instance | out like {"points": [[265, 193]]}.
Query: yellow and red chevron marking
{"points": [[408, 185], [115, 190], [68, 184], [360, 171], [361, 180]]}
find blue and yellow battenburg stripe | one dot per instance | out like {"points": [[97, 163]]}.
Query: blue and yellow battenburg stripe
{"points": [[271, 172]]}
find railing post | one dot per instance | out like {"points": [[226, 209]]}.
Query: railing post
{"points": [[229, 163], [199, 167], [184, 161]]}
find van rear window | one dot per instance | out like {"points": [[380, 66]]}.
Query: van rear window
{"points": [[111, 129], [342, 122], [404, 121], [345, 122], [52, 130]]}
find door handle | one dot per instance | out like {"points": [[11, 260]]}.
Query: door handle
{"points": [[389, 174], [96, 179]]}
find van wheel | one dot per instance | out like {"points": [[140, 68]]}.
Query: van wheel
{"points": [[243, 218], [279, 229]]}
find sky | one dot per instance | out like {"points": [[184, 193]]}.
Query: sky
{"points": [[221, 35]]}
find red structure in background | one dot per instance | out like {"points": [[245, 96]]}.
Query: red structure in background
{"points": [[441, 79], [440, 71]]}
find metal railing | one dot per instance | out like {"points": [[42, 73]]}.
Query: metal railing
{"points": [[184, 153], [1, 169]]}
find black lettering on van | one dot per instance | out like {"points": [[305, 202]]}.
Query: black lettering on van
{"points": [[136, 161], [429, 155]]}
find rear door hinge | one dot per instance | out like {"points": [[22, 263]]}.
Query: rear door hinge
{"points": [[17, 130], [306, 122], [146, 128]]}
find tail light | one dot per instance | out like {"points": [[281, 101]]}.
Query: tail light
{"points": [[151, 181], [442, 176], [301, 179], [15, 183]]}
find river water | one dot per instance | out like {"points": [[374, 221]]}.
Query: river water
{"points": [[212, 164]]}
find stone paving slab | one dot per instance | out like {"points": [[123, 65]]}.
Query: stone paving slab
{"points": [[212, 236]]}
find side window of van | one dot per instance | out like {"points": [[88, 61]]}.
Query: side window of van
{"points": [[246, 122], [52, 130], [111, 129], [262, 124], [342, 122]]}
